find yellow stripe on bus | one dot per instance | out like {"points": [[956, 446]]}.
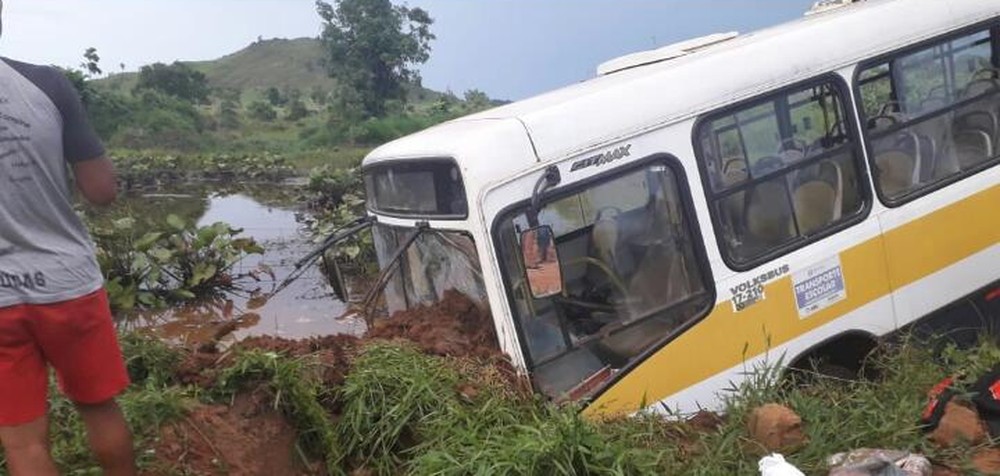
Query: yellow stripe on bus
{"points": [[725, 338], [943, 237]]}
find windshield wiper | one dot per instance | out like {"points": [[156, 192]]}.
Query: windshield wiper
{"points": [[339, 234]]}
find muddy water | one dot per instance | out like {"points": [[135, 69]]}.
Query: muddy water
{"points": [[305, 308]]}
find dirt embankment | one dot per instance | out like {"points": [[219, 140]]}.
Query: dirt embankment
{"points": [[250, 437]]}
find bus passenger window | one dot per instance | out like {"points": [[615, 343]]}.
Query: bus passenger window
{"points": [[802, 165], [630, 278], [932, 114]]}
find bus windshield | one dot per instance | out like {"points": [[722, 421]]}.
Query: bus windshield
{"points": [[630, 280], [436, 261]]}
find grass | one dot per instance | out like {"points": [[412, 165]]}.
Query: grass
{"points": [[402, 412], [298, 393]]}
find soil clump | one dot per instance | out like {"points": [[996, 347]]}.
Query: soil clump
{"points": [[776, 428]]}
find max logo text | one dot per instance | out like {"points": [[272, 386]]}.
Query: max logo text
{"points": [[601, 159]]}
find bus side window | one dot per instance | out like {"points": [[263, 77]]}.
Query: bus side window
{"points": [[798, 176], [932, 114]]}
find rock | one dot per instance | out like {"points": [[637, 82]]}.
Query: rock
{"points": [[987, 461], [958, 424], [706, 421], [881, 462], [776, 427]]}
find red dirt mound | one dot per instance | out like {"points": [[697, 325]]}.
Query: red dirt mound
{"points": [[454, 327], [249, 438], [201, 367]]}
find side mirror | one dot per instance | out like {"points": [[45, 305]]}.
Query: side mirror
{"points": [[331, 271], [541, 262]]}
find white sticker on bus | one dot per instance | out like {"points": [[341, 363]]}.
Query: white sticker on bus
{"points": [[819, 287]]}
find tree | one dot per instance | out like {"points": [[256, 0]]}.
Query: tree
{"points": [[296, 110], [262, 111], [477, 99], [229, 105], [319, 96], [91, 63], [178, 80], [372, 47], [274, 97]]}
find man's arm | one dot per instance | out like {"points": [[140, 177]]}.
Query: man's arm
{"points": [[96, 180], [82, 149]]}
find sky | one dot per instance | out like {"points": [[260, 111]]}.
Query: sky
{"points": [[510, 49]]}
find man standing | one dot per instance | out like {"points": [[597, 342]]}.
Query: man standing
{"points": [[53, 310]]}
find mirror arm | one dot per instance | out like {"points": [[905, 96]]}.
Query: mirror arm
{"points": [[550, 178]]}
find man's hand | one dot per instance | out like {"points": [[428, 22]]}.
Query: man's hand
{"points": [[96, 180]]}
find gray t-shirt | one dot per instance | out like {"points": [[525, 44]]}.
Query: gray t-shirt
{"points": [[46, 255]]}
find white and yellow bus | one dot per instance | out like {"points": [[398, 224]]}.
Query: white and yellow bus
{"points": [[643, 237]]}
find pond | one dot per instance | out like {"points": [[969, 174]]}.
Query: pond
{"points": [[306, 308]]}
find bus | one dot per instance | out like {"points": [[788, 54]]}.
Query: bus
{"points": [[783, 197]]}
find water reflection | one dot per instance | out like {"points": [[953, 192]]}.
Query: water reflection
{"points": [[305, 308]]}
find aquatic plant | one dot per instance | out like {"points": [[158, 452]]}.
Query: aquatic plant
{"points": [[177, 263]]}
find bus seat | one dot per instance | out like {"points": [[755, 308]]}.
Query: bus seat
{"points": [[980, 87], [734, 171], [895, 171], [819, 201], [767, 214], [976, 128], [972, 147], [936, 142], [977, 119], [813, 205], [604, 237], [660, 279]]}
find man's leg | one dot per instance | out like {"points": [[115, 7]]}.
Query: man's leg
{"points": [[24, 381], [27, 449], [78, 339], [109, 437]]}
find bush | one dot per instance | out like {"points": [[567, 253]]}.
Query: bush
{"points": [[262, 111]]}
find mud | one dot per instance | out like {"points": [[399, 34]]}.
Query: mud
{"points": [[454, 327], [247, 438], [250, 437]]}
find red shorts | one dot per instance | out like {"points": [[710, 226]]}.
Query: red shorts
{"points": [[76, 337]]}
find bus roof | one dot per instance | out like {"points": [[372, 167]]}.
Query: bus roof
{"points": [[609, 108]]}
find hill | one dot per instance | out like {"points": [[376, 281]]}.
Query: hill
{"points": [[279, 63]]}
